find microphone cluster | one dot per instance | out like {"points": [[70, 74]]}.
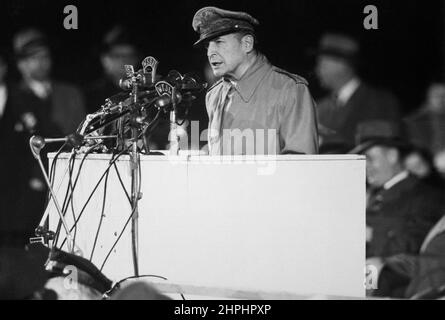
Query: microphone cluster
{"points": [[151, 89]]}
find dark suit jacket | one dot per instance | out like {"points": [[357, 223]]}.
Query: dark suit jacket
{"points": [[402, 216], [367, 103], [57, 116], [7, 181], [407, 275], [13, 170]]}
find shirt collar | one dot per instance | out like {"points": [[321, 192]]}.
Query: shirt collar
{"points": [[395, 180], [252, 77], [346, 92]]}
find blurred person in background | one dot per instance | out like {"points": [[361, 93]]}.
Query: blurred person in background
{"points": [[9, 184], [401, 208], [420, 163], [416, 276], [426, 126], [41, 106], [54, 107], [351, 101], [439, 163], [3, 90], [119, 48]]}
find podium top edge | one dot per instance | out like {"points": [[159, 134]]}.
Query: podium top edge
{"points": [[196, 157]]}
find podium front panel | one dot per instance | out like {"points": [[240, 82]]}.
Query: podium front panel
{"points": [[291, 224]]}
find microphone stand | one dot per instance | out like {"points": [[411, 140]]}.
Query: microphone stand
{"points": [[148, 62], [173, 135], [37, 143], [135, 184]]}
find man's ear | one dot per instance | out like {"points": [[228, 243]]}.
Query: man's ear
{"points": [[248, 42]]}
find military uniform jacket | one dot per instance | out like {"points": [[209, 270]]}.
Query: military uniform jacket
{"points": [[272, 110]]}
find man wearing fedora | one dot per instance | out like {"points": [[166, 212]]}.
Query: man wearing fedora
{"points": [[351, 101], [401, 209], [272, 108]]}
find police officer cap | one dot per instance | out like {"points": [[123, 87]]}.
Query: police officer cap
{"points": [[212, 22]]}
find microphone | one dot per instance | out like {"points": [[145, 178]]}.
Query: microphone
{"points": [[185, 82], [74, 140], [164, 101], [140, 78], [38, 143]]}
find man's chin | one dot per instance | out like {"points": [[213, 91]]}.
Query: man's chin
{"points": [[218, 73]]}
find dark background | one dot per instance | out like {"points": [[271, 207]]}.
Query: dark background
{"points": [[405, 54]]}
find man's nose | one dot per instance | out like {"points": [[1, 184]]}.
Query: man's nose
{"points": [[211, 49]]}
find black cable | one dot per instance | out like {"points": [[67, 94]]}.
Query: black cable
{"points": [[122, 232], [59, 224], [88, 152], [122, 183], [77, 220], [101, 216], [117, 284], [94, 190], [70, 200], [118, 238], [103, 123], [52, 173], [65, 200], [74, 219], [74, 186], [140, 173], [151, 125]]}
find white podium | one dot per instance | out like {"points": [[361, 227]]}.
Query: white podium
{"points": [[280, 226]]}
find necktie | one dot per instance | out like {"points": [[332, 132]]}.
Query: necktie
{"points": [[375, 199], [215, 136]]}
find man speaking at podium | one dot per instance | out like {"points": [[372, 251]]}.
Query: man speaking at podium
{"points": [[255, 108]]}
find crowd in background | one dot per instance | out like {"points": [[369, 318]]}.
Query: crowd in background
{"points": [[405, 154]]}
